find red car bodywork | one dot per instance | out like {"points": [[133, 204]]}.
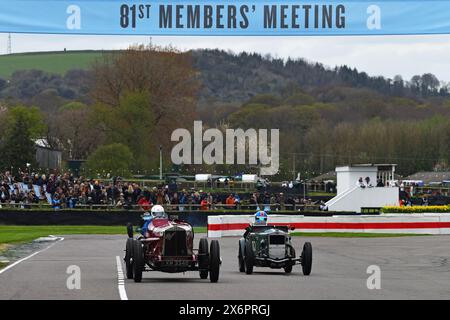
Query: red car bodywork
{"points": [[168, 246]]}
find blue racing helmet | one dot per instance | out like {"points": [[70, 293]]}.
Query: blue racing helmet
{"points": [[261, 217], [147, 216]]}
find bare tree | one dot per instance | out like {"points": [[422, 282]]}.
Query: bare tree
{"points": [[165, 74]]}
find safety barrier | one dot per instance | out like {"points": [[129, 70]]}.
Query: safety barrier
{"points": [[197, 218], [426, 223]]}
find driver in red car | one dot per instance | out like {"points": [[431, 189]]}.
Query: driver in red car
{"points": [[156, 212]]}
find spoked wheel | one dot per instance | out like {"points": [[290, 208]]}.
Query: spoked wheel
{"points": [[249, 257], [307, 258], [241, 257], [214, 261], [138, 261], [129, 258], [203, 259]]}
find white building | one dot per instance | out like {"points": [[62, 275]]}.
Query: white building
{"points": [[352, 196]]}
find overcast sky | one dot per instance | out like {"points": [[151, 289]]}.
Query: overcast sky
{"points": [[376, 55]]}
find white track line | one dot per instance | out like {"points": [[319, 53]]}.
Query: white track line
{"points": [[28, 257], [121, 280]]}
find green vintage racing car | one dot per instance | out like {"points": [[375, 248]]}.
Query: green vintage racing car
{"points": [[271, 246]]}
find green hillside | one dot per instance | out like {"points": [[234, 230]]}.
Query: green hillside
{"points": [[54, 62]]}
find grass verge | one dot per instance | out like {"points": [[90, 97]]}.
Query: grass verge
{"points": [[23, 234], [15, 235], [354, 234]]}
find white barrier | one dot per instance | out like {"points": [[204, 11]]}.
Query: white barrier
{"points": [[426, 223]]}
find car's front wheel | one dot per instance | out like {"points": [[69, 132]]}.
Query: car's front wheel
{"points": [[307, 258], [203, 263], [138, 260], [129, 258], [241, 256], [214, 261], [249, 257]]}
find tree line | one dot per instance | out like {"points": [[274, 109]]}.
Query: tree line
{"points": [[117, 113]]}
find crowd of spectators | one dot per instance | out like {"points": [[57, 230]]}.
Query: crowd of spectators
{"points": [[64, 190]]}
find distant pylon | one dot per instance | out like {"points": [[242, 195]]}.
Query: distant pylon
{"points": [[8, 49]]}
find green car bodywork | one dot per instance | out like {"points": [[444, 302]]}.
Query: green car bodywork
{"points": [[271, 246]]}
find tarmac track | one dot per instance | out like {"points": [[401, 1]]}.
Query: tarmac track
{"points": [[411, 268]]}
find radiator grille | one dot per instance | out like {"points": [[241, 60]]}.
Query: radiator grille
{"points": [[175, 243], [277, 239]]}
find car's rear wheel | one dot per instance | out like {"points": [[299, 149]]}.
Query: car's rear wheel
{"points": [[129, 230], [203, 260], [307, 258], [138, 261], [288, 269], [214, 261], [241, 257], [249, 257], [129, 258]]}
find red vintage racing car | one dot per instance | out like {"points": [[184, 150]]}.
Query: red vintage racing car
{"points": [[167, 245]]}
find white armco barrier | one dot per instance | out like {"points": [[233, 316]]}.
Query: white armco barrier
{"points": [[426, 223]]}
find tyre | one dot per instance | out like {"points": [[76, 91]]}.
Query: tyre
{"points": [[307, 258], [203, 258], [241, 257], [249, 257], [288, 269], [129, 258], [138, 261], [129, 230], [214, 261]]}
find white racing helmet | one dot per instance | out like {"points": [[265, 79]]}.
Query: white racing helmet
{"points": [[158, 211]]}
